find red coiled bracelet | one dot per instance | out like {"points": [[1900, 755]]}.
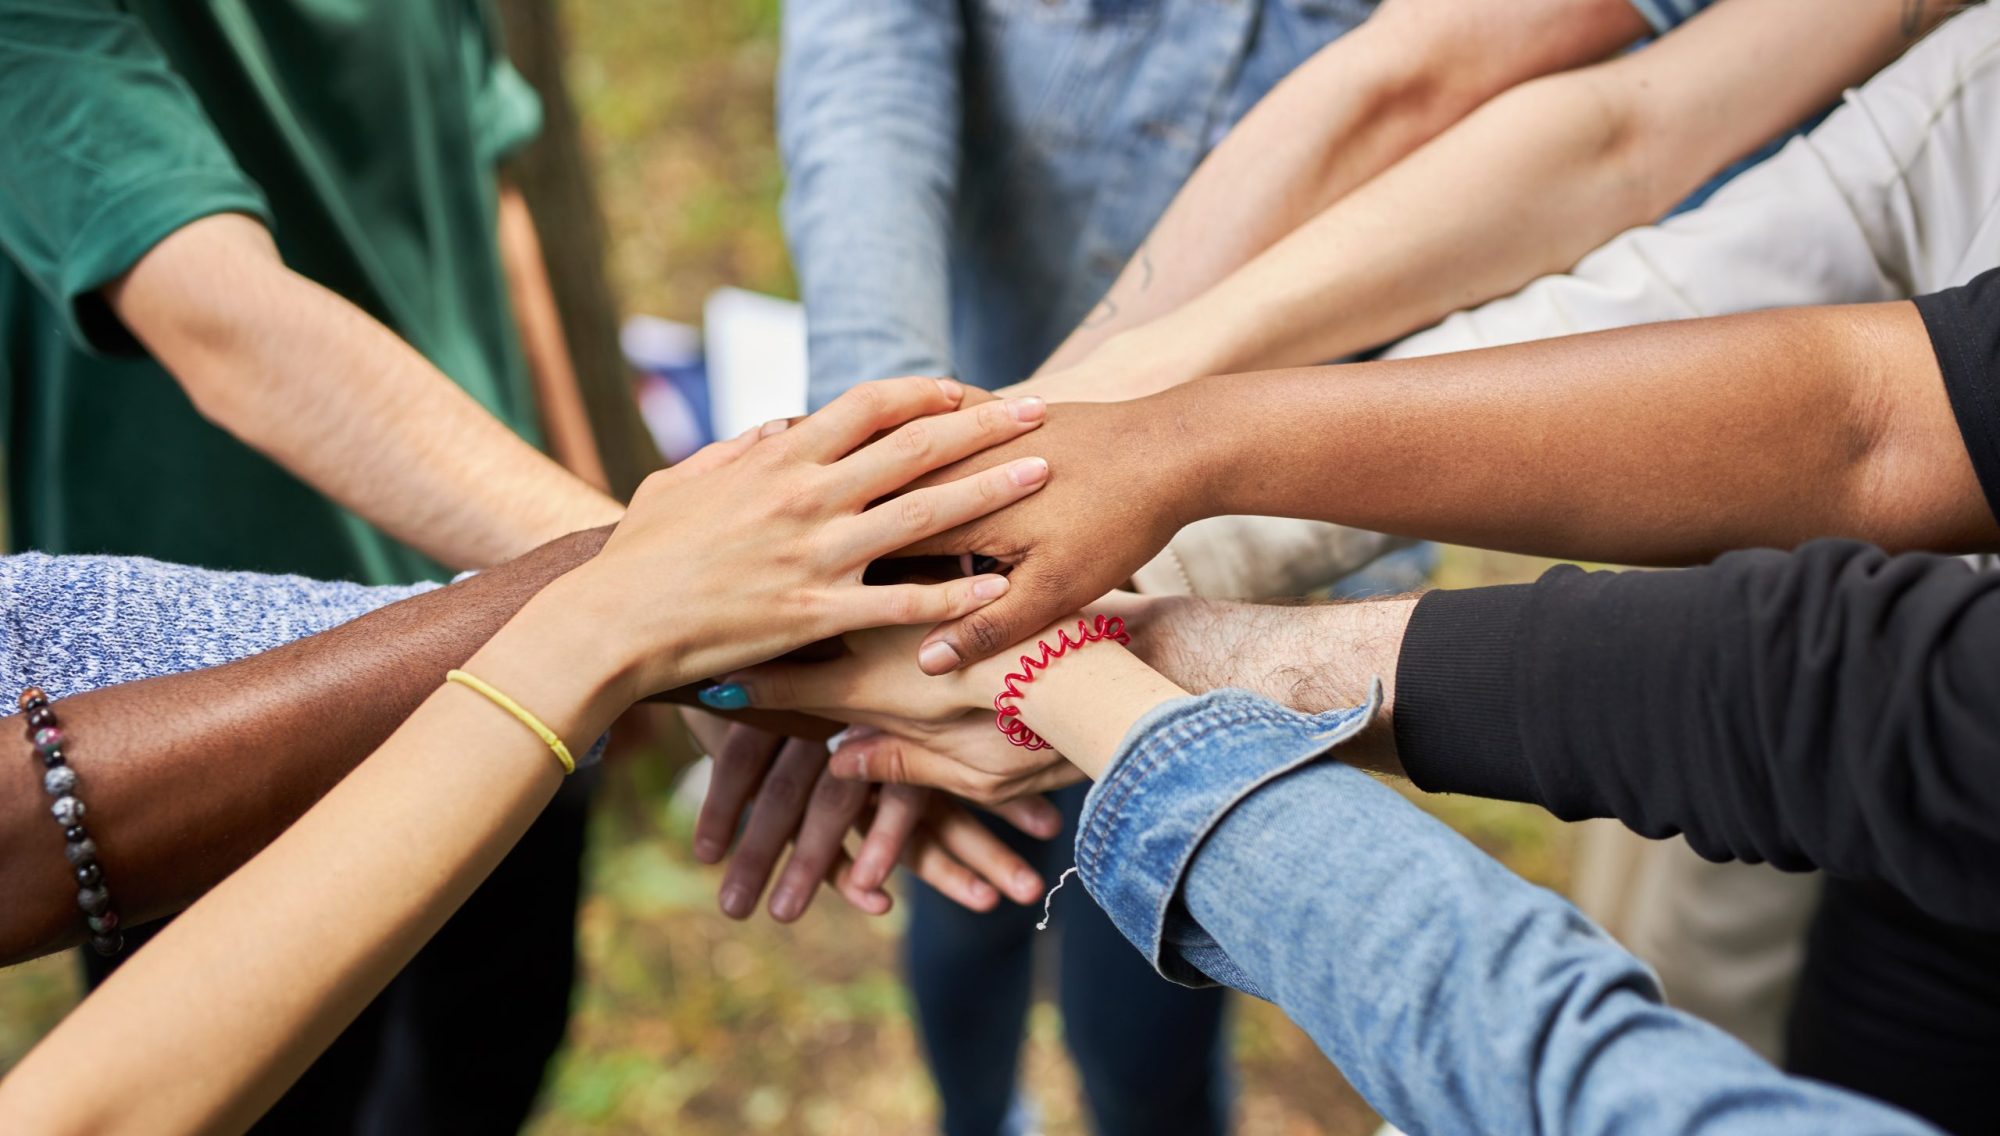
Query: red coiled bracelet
{"points": [[1006, 715]]}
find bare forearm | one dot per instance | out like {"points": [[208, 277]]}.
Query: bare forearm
{"points": [[1524, 186], [1664, 444], [361, 881], [192, 774], [1357, 107], [557, 394], [310, 380]]}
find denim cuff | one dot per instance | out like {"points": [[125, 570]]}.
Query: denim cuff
{"points": [[1180, 771]]}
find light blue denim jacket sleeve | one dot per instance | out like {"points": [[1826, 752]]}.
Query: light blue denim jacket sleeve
{"points": [[868, 124], [1455, 996]]}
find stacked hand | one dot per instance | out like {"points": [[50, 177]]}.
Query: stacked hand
{"points": [[792, 797], [756, 546]]}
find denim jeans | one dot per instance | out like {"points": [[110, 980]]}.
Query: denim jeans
{"points": [[1455, 996], [1152, 1055]]}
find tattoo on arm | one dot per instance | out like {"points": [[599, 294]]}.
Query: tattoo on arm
{"points": [[1105, 311], [1913, 18], [1146, 258]]}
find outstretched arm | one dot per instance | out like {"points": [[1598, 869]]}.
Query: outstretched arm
{"points": [[202, 1030], [1359, 105], [310, 380], [188, 775], [1525, 185], [1455, 996], [1653, 445]]}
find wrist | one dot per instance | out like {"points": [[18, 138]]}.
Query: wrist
{"points": [[1186, 459], [555, 665], [588, 623]]}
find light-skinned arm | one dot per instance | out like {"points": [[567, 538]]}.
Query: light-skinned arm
{"points": [[564, 417], [202, 1030], [1358, 106], [308, 379], [1523, 186], [1663, 444]]}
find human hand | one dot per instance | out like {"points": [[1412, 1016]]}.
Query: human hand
{"points": [[790, 798], [757, 545], [923, 730], [1127, 480]]}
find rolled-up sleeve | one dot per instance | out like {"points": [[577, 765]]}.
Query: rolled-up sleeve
{"points": [[869, 123], [1454, 996]]}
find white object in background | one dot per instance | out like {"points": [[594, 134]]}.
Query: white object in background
{"points": [[670, 383], [756, 358]]}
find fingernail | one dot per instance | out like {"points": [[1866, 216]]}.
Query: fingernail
{"points": [[1028, 471], [950, 388], [990, 588], [786, 905], [725, 696], [937, 658], [834, 743], [707, 850], [1027, 409], [1027, 883], [737, 901], [774, 426]]}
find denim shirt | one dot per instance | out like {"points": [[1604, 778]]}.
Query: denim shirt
{"points": [[967, 177], [1455, 996]]}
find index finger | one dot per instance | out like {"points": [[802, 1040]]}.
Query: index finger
{"points": [[865, 410]]}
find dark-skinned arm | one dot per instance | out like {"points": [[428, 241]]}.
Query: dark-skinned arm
{"points": [[1665, 444], [189, 775]]}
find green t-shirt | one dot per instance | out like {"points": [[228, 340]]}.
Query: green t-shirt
{"points": [[365, 133]]}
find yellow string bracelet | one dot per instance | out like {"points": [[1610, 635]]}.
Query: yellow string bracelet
{"points": [[520, 712]]}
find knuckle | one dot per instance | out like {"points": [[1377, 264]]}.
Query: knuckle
{"points": [[914, 441], [916, 511], [869, 398], [983, 633], [900, 607]]}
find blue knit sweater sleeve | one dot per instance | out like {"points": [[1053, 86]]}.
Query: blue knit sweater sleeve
{"points": [[77, 623]]}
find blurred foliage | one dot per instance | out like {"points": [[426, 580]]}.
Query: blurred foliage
{"points": [[686, 1022]]}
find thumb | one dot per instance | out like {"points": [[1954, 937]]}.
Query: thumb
{"points": [[1036, 597]]}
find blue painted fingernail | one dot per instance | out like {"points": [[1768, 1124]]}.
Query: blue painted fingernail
{"points": [[725, 696]]}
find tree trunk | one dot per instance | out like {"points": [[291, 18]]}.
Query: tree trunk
{"points": [[555, 177]]}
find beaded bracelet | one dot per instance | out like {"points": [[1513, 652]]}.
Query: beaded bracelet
{"points": [[60, 780], [1007, 716]]}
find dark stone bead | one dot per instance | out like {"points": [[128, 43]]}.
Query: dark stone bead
{"points": [[53, 759], [41, 716], [33, 699], [88, 874], [103, 924], [80, 852], [75, 833], [107, 945], [93, 900]]}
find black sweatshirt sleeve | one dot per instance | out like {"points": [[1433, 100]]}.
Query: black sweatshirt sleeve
{"points": [[1964, 326], [1835, 708]]}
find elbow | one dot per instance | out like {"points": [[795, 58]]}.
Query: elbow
{"points": [[1618, 164]]}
